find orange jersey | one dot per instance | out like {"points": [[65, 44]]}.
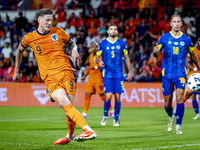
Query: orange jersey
{"points": [[95, 76], [197, 51], [48, 50]]}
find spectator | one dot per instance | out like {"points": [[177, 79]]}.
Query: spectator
{"points": [[8, 23], [82, 28], [191, 31], [7, 32], [3, 61], [142, 33], [100, 37], [72, 20], [14, 30], [145, 76], [33, 27], [15, 40], [30, 69], [7, 50], [93, 29], [91, 19], [62, 15], [80, 19], [23, 32], [113, 20], [89, 39], [3, 41], [70, 29], [189, 18], [22, 22], [142, 4], [54, 21], [1, 22]]}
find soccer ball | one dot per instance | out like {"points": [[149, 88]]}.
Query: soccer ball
{"points": [[194, 82]]}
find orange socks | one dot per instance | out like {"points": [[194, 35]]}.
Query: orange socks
{"points": [[86, 104], [75, 115], [104, 98], [71, 125]]}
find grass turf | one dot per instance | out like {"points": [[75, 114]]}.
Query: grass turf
{"points": [[39, 127]]}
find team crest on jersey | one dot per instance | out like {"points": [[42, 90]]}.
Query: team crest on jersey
{"points": [[54, 37], [118, 47], [182, 43]]}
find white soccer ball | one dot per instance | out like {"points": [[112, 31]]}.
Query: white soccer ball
{"points": [[194, 82]]}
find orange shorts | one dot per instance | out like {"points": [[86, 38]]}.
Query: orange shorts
{"points": [[94, 87], [190, 73], [63, 80]]}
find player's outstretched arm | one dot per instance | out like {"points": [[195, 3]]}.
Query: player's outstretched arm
{"points": [[194, 59], [101, 64], [156, 51], [18, 59], [128, 63], [75, 55]]}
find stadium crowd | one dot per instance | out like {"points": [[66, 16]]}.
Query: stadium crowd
{"points": [[140, 24]]}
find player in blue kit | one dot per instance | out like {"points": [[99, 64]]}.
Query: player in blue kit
{"points": [[175, 45], [112, 51]]}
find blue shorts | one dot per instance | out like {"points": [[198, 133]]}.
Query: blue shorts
{"points": [[113, 85], [168, 84]]}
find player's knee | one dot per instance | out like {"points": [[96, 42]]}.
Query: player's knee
{"points": [[179, 99]]}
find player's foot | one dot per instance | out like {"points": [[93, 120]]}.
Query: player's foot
{"points": [[115, 123], [86, 135], [84, 115], [103, 121], [170, 124], [196, 117], [111, 114], [178, 129], [64, 140]]}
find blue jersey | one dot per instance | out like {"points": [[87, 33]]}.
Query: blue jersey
{"points": [[174, 54], [112, 54]]}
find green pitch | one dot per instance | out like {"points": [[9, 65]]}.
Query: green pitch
{"points": [[140, 128]]}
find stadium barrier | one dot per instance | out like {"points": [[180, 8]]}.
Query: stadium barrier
{"points": [[34, 94]]}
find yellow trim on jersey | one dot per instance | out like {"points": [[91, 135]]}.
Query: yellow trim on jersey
{"points": [[163, 72], [185, 71], [159, 47], [177, 36], [103, 72], [191, 49], [99, 53], [125, 52], [110, 41]]}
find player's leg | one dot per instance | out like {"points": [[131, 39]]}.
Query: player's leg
{"points": [[179, 109], [168, 88], [62, 99], [106, 108], [111, 111], [117, 109], [100, 90], [195, 106], [118, 89], [108, 87], [187, 94], [86, 104]]}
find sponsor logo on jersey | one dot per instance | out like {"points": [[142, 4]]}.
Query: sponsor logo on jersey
{"points": [[175, 43], [182, 43], [112, 47]]}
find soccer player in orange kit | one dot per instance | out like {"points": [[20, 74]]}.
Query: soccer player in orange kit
{"points": [[47, 43], [95, 81]]}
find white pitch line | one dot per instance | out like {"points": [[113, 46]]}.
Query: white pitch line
{"points": [[168, 146], [37, 119]]}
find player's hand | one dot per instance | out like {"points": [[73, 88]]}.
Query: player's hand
{"points": [[76, 57], [16, 77], [101, 64], [156, 50], [83, 79], [129, 77]]}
